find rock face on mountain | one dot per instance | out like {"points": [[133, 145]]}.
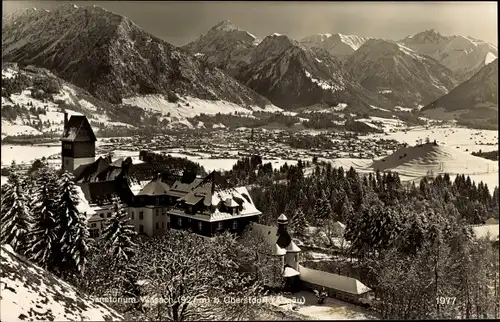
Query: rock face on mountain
{"points": [[463, 55], [112, 58], [291, 75], [30, 293], [338, 45], [474, 102], [224, 46], [404, 77]]}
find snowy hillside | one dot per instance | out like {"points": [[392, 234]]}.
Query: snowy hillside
{"points": [[33, 100], [112, 58], [474, 101], [412, 163], [338, 45], [404, 77], [30, 293], [461, 54]]}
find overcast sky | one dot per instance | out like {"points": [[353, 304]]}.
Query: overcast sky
{"points": [[181, 22]]}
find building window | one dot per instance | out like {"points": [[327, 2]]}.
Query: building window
{"points": [[133, 215], [109, 215], [235, 224], [94, 233], [101, 215], [200, 225], [141, 215], [157, 211], [141, 228], [162, 225], [220, 225], [179, 221], [93, 225], [157, 225]]}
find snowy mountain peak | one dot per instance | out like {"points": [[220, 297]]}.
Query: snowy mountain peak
{"points": [[276, 43], [353, 41], [338, 45], [427, 36], [462, 54], [224, 25]]}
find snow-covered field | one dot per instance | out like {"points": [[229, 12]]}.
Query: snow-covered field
{"points": [[203, 160], [385, 124], [190, 106], [464, 139], [332, 309], [415, 163], [26, 154]]}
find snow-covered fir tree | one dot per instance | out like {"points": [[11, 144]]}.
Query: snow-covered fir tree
{"points": [[323, 210], [72, 227], [118, 234], [43, 228], [15, 214], [298, 224]]}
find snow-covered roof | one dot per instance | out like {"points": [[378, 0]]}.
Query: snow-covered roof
{"points": [[483, 231], [338, 282], [136, 187], [231, 197], [154, 188], [278, 251], [282, 217], [180, 189], [292, 248], [48, 299], [289, 272], [83, 204]]}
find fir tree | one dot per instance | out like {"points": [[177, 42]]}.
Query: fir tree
{"points": [[43, 228], [298, 224], [118, 234], [15, 214], [73, 231]]}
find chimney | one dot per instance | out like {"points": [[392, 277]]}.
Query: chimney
{"points": [[65, 120]]}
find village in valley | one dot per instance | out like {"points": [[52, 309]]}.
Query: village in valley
{"points": [[244, 178]]}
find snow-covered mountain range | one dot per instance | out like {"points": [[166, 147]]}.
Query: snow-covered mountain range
{"points": [[338, 45], [115, 72], [405, 77], [462, 54], [285, 71], [292, 75], [113, 59]]}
